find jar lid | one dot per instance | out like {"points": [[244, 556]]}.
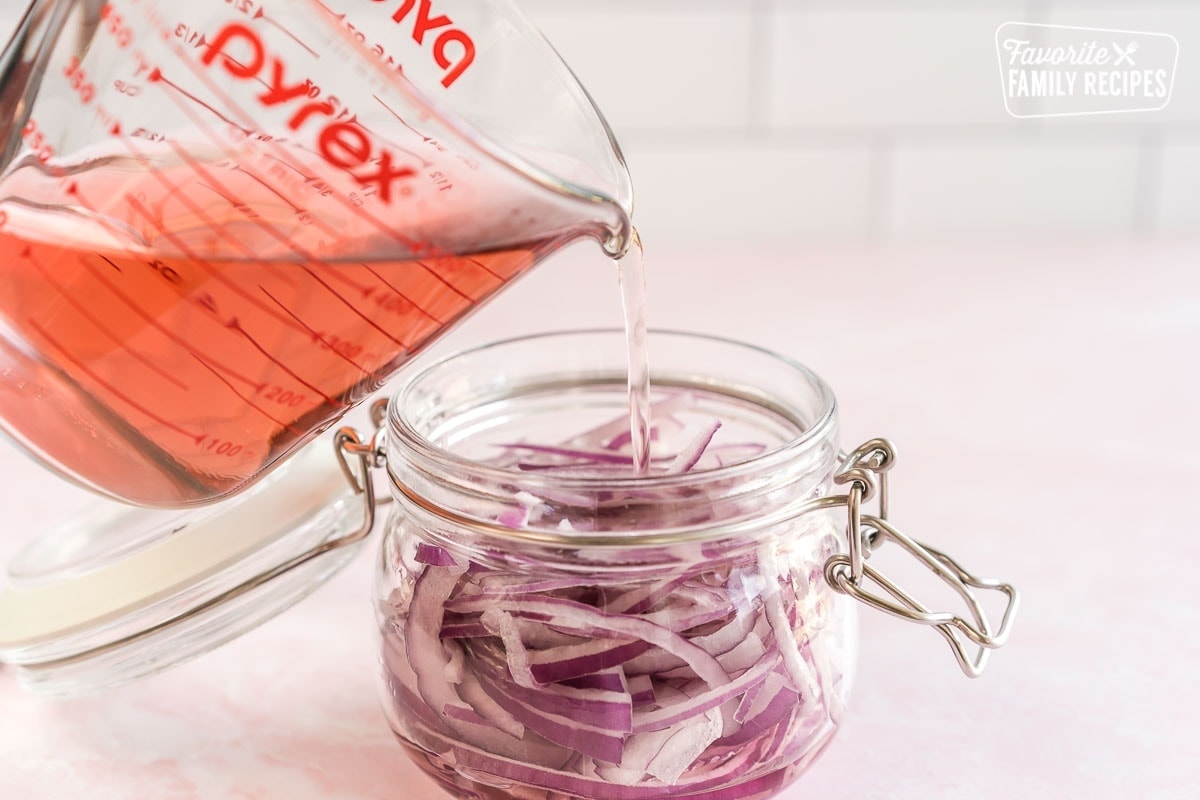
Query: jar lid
{"points": [[121, 594]]}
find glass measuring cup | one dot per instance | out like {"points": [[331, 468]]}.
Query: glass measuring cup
{"points": [[226, 222]]}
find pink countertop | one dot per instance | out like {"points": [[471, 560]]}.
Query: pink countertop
{"points": [[1043, 401]]}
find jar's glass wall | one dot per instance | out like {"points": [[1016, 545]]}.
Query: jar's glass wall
{"points": [[659, 637]]}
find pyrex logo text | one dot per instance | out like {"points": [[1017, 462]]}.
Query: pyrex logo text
{"points": [[423, 23], [345, 145]]}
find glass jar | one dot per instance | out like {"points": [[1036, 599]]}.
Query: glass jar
{"points": [[574, 632], [552, 626]]}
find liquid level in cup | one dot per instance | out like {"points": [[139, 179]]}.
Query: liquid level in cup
{"points": [[173, 381]]}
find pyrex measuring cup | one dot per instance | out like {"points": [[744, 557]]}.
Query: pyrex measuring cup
{"points": [[225, 222]]}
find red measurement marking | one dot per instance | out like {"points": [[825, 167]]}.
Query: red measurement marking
{"points": [[411, 244], [307, 178], [73, 189], [271, 189], [111, 263], [341, 275], [90, 317], [396, 289], [200, 262], [225, 192], [156, 76], [400, 119], [202, 170], [110, 388], [425, 163], [356, 310], [220, 194], [316, 337], [154, 323], [261, 15], [234, 325], [123, 33], [78, 78], [244, 398], [483, 267]]}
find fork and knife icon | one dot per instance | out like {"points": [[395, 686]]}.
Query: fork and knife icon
{"points": [[1125, 55]]}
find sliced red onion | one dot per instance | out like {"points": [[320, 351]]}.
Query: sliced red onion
{"points": [[572, 661], [502, 623], [464, 714], [487, 708], [532, 587], [625, 439], [804, 680], [569, 615], [589, 456], [641, 691], [565, 732], [691, 707], [690, 455], [608, 432], [740, 765], [427, 662], [454, 661], [516, 517], [665, 753], [610, 711], [434, 556], [609, 680], [706, 679], [642, 598], [684, 621], [772, 702], [742, 657]]}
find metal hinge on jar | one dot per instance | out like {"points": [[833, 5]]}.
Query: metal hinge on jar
{"points": [[865, 472]]}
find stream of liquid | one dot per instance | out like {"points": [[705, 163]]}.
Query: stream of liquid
{"points": [[632, 275]]}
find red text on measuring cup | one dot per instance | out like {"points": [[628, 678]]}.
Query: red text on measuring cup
{"points": [[423, 23], [345, 145]]}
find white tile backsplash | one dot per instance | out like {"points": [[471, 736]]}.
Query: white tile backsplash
{"points": [[1177, 204], [1001, 188], [885, 67], [761, 193], [657, 66], [797, 120]]}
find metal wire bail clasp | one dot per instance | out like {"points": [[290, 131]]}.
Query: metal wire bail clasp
{"points": [[370, 455], [865, 472]]}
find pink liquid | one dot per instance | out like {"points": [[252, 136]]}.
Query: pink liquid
{"points": [[175, 380], [632, 270]]}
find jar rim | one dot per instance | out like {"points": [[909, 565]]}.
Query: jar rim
{"points": [[812, 435]]}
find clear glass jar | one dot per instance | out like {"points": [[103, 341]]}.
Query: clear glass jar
{"points": [[580, 633]]}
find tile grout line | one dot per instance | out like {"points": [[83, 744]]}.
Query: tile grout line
{"points": [[762, 77], [855, 136], [1148, 192], [881, 188]]}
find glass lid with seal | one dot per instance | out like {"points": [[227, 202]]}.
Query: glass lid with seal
{"points": [[116, 595]]}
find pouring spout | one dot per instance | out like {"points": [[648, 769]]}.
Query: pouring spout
{"points": [[618, 241]]}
